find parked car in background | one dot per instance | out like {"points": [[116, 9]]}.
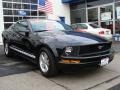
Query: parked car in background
{"points": [[93, 28], [50, 44]]}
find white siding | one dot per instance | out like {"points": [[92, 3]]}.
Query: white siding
{"points": [[1, 20], [61, 10]]}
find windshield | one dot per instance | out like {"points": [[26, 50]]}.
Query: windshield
{"points": [[94, 25], [43, 25]]}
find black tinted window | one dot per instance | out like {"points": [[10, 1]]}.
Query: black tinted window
{"points": [[21, 26], [94, 25], [82, 26]]}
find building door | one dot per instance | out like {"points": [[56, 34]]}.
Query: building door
{"points": [[102, 15], [107, 17]]}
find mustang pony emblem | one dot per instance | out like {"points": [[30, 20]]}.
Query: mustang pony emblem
{"points": [[100, 47]]}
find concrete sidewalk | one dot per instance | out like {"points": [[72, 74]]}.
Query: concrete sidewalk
{"points": [[85, 79]]}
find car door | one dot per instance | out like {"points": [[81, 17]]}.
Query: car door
{"points": [[21, 40]]}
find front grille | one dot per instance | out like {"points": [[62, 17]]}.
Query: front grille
{"points": [[95, 49], [95, 54]]}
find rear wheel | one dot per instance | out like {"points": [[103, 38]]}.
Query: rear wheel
{"points": [[47, 63], [7, 49]]}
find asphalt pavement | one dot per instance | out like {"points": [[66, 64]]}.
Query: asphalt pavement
{"points": [[17, 73]]}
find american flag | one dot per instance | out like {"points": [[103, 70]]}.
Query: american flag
{"points": [[45, 6]]}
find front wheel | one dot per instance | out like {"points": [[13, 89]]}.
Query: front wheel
{"points": [[47, 63]]}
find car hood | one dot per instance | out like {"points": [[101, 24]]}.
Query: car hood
{"points": [[70, 38]]}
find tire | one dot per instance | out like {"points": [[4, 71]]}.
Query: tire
{"points": [[7, 49], [47, 63]]}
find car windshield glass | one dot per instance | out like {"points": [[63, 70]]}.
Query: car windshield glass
{"points": [[94, 26], [82, 26], [43, 25]]}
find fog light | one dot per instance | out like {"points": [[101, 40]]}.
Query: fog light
{"points": [[70, 61], [65, 61], [75, 61]]}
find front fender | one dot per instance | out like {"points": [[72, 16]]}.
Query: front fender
{"points": [[49, 44], [53, 48]]}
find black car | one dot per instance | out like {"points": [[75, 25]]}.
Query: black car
{"points": [[51, 43]]}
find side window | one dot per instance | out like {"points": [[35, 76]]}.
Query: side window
{"points": [[82, 26], [21, 26], [74, 26]]}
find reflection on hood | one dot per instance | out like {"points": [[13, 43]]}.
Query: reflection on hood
{"points": [[71, 37]]}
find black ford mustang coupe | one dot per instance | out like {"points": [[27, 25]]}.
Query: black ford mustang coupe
{"points": [[51, 43]]}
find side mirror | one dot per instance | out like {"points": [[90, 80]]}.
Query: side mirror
{"points": [[27, 33]]}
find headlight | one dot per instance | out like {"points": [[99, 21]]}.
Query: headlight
{"points": [[68, 50]]}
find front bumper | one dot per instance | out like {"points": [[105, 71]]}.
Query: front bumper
{"points": [[87, 60]]}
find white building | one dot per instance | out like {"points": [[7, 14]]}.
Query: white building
{"points": [[9, 11]]}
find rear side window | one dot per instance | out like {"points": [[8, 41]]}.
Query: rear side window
{"points": [[82, 26], [94, 25], [21, 26]]}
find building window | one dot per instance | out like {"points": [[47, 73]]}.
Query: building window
{"points": [[7, 12], [34, 1], [79, 5], [16, 0], [78, 16], [117, 18], [7, 5], [93, 15], [26, 1], [25, 6], [16, 6], [91, 3], [8, 19], [106, 11], [7, 0], [33, 13], [11, 10], [33, 7], [41, 14]]}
